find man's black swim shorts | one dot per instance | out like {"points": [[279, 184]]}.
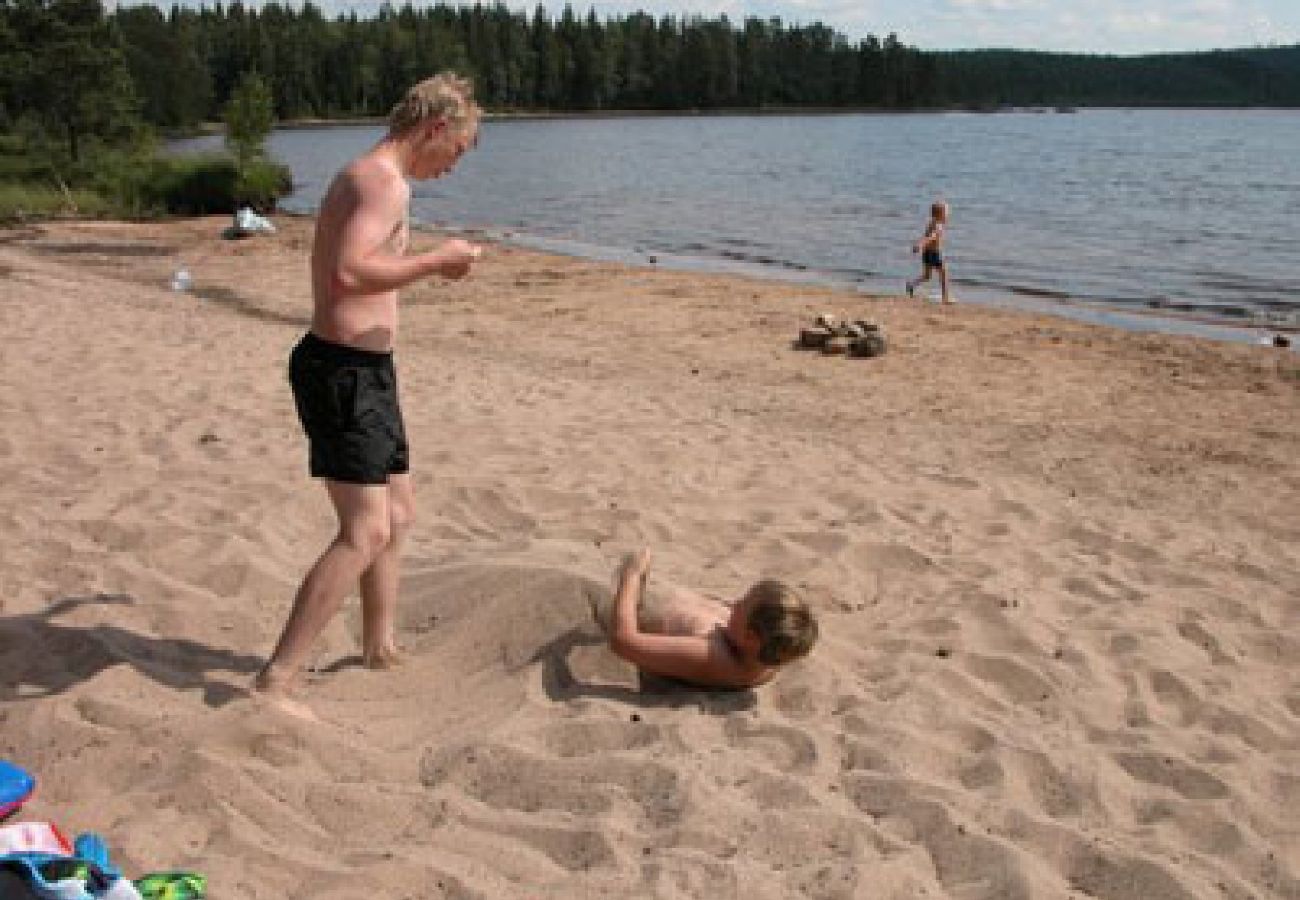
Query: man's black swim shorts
{"points": [[347, 403], [932, 258]]}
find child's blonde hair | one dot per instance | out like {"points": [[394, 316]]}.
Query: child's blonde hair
{"points": [[445, 96], [783, 622]]}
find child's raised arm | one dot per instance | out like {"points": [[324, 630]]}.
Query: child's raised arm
{"points": [[698, 660]]}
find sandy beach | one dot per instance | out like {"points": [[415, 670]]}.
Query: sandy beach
{"points": [[1057, 569]]}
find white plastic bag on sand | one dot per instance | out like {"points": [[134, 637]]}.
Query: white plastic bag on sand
{"points": [[249, 222]]}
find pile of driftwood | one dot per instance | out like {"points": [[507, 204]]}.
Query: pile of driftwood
{"points": [[857, 338]]}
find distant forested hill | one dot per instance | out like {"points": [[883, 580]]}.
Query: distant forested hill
{"points": [[66, 59], [989, 78]]}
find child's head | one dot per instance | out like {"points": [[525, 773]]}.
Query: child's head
{"points": [[939, 211], [777, 622]]}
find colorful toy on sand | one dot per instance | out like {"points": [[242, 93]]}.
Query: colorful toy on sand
{"points": [[15, 787]]}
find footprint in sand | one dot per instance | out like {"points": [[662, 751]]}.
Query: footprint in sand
{"points": [[1165, 771], [864, 756], [1097, 873], [1015, 508], [573, 848], [508, 778], [1193, 631], [983, 771], [771, 791], [1171, 691], [1292, 703], [1056, 794], [579, 739], [785, 749], [969, 864], [1019, 683]]}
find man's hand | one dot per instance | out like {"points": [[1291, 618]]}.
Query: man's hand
{"points": [[455, 258]]}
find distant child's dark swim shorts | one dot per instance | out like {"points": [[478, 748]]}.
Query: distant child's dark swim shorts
{"points": [[933, 259], [347, 403]]}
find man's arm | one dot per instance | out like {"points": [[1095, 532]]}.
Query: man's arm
{"points": [[366, 265], [698, 660]]}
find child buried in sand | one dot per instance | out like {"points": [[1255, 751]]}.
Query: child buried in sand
{"points": [[706, 641]]}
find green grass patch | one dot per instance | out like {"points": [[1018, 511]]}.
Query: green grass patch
{"points": [[23, 202]]}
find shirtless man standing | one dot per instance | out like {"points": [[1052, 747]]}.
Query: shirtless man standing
{"points": [[344, 383], [704, 640]]}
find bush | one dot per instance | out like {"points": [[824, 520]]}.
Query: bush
{"points": [[198, 185], [131, 181], [262, 184], [193, 185]]}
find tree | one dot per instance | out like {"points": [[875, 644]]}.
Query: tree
{"points": [[172, 81], [69, 72], [249, 116]]}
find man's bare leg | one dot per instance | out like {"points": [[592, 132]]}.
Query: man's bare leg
{"points": [[943, 283], [363, 516], [379, 583]]}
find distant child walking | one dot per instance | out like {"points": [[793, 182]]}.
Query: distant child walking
{"points": [[931, 249]]}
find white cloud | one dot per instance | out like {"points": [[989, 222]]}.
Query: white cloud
{"points": [[996, 5]]}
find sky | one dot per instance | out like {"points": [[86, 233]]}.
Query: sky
{"points": [[1092, 26]]}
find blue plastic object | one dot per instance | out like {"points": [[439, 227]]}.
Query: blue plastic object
{"points": [[93, 848], [15, 787]]}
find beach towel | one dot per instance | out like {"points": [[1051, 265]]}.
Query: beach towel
{"points": [[33, 837], [14, 886], [50, 876]]}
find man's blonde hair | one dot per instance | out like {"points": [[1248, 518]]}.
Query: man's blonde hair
{"points": [[784, 623], [445, 96]]}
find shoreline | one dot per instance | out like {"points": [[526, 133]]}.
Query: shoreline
{"points": [[1136, 320], [815, 111], [215, 128]]}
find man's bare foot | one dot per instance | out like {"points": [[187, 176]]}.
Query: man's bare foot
{"points": [[272, 679], [389, 657], [287, 705], [275, 689]]}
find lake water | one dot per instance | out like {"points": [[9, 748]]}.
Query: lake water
{"points": [[1143, 218]]}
